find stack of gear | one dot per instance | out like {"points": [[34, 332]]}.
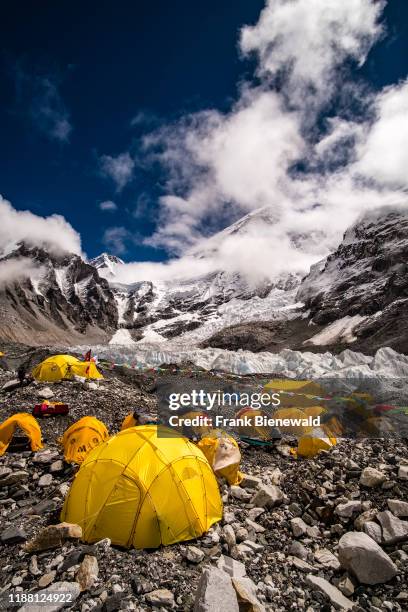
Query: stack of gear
{"points": [[223, 454], [81, 437], [28, 425], [47, 408], [63, 367], [142, 490]]}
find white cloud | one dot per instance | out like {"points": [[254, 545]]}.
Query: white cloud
{"points": [[119, 169], [223, 165], [54, 231], [269, 150], [236, 161], [305, 41], [14, 270], [115, 238], [108, 205], [383, 150]]}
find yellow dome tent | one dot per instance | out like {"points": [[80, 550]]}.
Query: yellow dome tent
{"points": [[26, 423], [312, 443], [294, 393], [141, 490], [81, 437], [249, 428], [59, 367]]}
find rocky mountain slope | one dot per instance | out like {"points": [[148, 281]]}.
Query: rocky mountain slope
{"points": [[356, 297], [364, 283], [55, 299]]}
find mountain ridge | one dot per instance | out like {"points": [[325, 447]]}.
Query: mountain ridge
{"points": [[66, 299]]}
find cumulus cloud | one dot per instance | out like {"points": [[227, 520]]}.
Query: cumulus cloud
{"points": [[270, 150], [108, 205], [39, 96], [53, 232], [382, 152], [233, 162], [119, 169], [304, 42], [303, 151], [14, 270]]}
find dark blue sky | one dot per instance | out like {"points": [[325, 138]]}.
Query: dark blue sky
{"points": [[99, 64]]}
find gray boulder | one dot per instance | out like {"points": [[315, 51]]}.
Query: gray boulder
{"points": [[359, 554], [215, 592], [393, 529]]}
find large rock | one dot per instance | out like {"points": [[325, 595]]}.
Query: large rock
{"points": [[194, 554], [349, 508], [371, 477], [359, 554], [233, 568], [45, 456], [229, 536], [13, 478], [364, 517], [393, 529], [46, 579], [69, 592], [373, 530], [398, 507], [267, 496], [53, 536], [250, 482], [10, 385], [299, 527], [332, 593], [45, 393], [45, 480], [88, 572], [161, 597], [326, 558], [215, 592], [403, 472], [239, 493], [13, 535], [298, 550], [246, 593]]}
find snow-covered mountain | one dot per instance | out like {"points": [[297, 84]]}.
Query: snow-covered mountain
{"points": [[53, 298], [107, 263], [357, 296], [360, 292], [196, 306]]}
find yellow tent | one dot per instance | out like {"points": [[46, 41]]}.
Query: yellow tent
{"points": [[26, 423], [141, 490], [314, 442], [58, 367], [294, 392], [81, 437], [249, 428]]}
